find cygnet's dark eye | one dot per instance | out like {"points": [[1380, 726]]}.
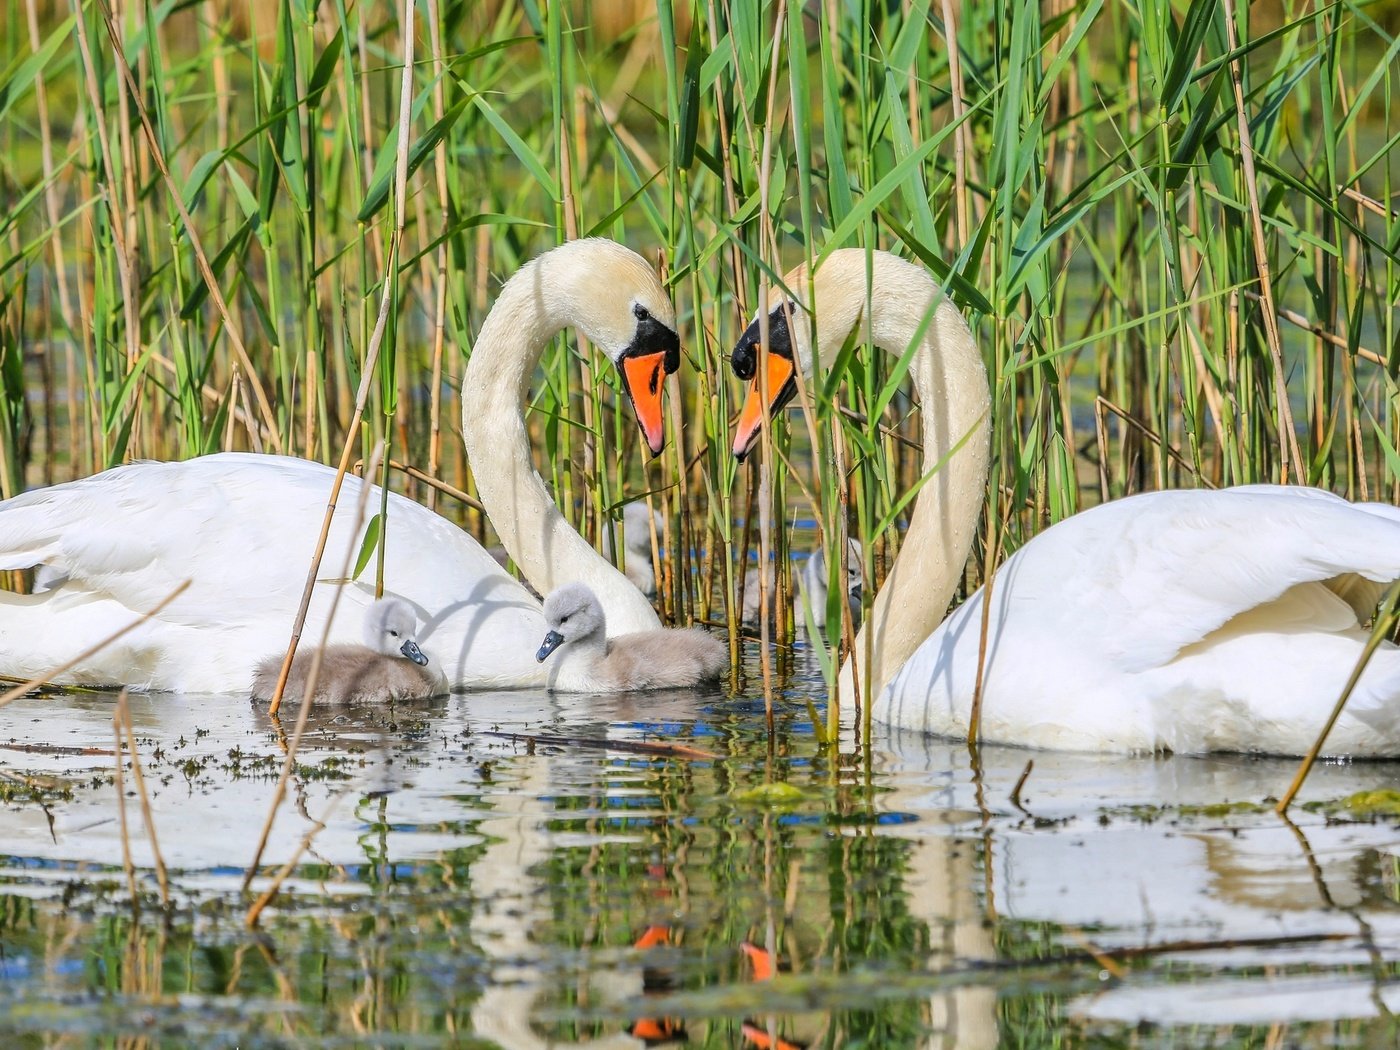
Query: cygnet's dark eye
{"points": [[563, 619], [393, 633], [640, 312]]}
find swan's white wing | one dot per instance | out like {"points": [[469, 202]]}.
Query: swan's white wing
{"points": [[241, 525], [242, 528], [1147, 576]]}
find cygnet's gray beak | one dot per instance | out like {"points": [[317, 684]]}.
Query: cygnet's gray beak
{"points": [[410, 649], [855, 593], [553, 640]]}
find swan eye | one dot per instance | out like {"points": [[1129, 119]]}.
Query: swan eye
{"points": [[640, 312], [563, 619]]}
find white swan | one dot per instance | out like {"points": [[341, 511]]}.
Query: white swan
{"points": [[388, 666], [1187, 621], [591, 662], [243, 527], [809, 589]]}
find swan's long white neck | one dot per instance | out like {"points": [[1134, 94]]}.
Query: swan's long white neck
{"points": [[951, 383], [543, 297]]}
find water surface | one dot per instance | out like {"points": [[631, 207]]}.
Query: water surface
{"points": [[460, 886]]}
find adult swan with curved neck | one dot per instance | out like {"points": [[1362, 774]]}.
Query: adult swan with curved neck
{"points": [[242, 527], [1186, 621]]}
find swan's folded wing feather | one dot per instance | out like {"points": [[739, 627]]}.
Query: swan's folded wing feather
{"points": [[245, 525], [1145, 577]]}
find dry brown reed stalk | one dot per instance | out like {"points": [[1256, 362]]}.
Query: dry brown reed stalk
{"points": [[120, 785], [49, 676], [1021, 783], [433, 483], [765, 466], [1102, 405], [1288, 438], [255, 427], [962, 133], [274, 887], [313, 672], [368, 372], [1109, 964], [162, 877], [216, 295], [1386, 620], [440, 301], [1299, 321], [989, 574]]}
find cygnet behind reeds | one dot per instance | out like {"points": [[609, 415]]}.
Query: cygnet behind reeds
{"points": [[590, 662], [389, 666], [636, 540], [809, 585], [637, 523]]}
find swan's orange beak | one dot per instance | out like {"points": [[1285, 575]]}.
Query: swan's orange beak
{"points": [[642, 375], [781, 386]]}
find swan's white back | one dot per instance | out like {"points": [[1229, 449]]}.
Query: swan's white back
{"points": [[1186, 621]]}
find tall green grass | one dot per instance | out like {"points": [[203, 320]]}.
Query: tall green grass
{"points": [[1090, 181]]}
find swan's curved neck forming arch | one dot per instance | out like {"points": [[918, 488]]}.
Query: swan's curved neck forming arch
{"points": [[547, 294], [909, 313]]}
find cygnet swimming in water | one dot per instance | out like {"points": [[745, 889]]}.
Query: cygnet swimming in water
{"points": [[389, 666], [810, 586], [589, 662]]}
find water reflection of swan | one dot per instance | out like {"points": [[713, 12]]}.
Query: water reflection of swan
{"points": [[512, 902], [1185, 621], [243, 527], [1143, 827]]}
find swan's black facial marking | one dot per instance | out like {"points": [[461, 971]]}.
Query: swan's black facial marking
{"points": [[744, 358], [653, 336], [781, 374], [653, 354]]}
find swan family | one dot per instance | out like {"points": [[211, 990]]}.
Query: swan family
{"points": [[1179, 621]]}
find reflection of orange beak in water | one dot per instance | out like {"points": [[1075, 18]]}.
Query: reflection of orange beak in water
{"points": [[656, 1031], [754, 1033], [762, 961], [653, 936], [782, 384], [642, 375]]}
